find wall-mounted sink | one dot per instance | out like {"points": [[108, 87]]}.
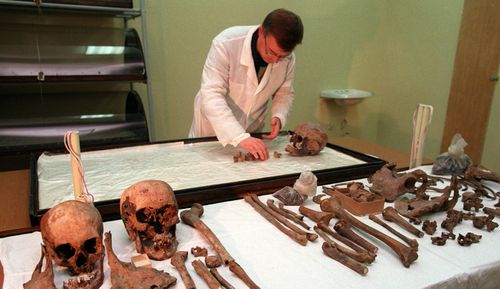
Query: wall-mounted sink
{"points": [[348, 96]]}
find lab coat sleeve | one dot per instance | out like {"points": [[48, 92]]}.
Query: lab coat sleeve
{"points": [[214, 88], [283, 98]]}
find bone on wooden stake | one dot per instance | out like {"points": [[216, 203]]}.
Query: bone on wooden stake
{"points": [[72, 144], [421, 120], [332, 251], [211, 281], [177, 261], [221, 279], [491, 211], [363, 257], [411, 242], [283, 220], [390, 214], [405, 253], [316, 216], [299, 238], [191, 217], [298, 216], [345, 240], [343, 227], [270, 204]]}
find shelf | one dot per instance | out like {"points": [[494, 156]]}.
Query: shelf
{"points": [[118, 8]]}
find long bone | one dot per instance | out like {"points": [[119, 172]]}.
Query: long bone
{"points": [[363, 257], [270, 204], [332, 251], [177, 261], [203, 272], [298, 216], [411, 242], [299, 238], [405, 253], [316, 216], [221, 279], [390, 214], [283, 220], [343, 227], [345, 240], [192, 218]]}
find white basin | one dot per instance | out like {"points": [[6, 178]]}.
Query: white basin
{"points": [[348, 96]]}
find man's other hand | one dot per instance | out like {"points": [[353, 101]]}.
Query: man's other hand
{"points": [[256, 147]]}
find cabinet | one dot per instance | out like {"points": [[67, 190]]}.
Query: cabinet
{"points": [[69, 66]]}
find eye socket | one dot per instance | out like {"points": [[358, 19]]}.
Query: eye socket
{"points": [[90, 246], [141, 216], [65, 251]]}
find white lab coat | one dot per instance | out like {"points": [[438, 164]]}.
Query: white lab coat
{"points": [[231, 102]]}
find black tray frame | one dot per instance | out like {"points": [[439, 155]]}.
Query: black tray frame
{"points": [[110, 210]]}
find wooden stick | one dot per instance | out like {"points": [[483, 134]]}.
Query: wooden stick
{"points": [[299, 238], [72, 142], [203, 272]]}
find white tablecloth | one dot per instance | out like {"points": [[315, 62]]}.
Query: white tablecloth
{"points": [[273, 260]]}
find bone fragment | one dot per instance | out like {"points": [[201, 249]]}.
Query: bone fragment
{"points": [[405, 253], [316, 216], [199, 251], [491, 211], [362, 257], [344, 229], [270, 204], [213, 261], [331, 251], [177, 261], [283, 220], [192, 218], [299, 238], [221, 279], [203, 272], [298, 216], [411, 242], [126, 275], [390, 214]]}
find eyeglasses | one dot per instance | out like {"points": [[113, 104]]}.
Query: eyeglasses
{"points": [[271, 53]]}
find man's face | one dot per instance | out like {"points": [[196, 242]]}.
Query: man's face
{"points": [[269, 50]]}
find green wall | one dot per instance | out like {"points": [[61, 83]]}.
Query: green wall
{"points": [[402, 51]]}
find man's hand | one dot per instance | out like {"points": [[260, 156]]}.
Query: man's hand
{"points": [[256, 147], [275, 128]]}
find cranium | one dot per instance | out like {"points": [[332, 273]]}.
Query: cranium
{"points": [[149, 211], [72, 234], [307, 139]]}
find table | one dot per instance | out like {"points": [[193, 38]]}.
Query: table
{"points": [[275, 261]]}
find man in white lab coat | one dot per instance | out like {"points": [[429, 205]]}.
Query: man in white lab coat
{"points": [[245, 68]]}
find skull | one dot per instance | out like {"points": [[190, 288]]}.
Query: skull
{"points": [[149, 211], [307, 139], [72, 234]]}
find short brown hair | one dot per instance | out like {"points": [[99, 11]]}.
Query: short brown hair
{"points": [[285, 26]]}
